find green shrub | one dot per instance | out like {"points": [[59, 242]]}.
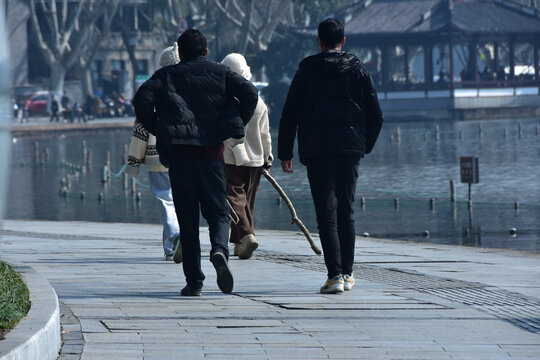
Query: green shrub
{"points": [[14, 297]]}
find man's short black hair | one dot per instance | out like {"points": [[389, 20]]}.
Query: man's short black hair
{"points": [[331, 32], [192, 43]]}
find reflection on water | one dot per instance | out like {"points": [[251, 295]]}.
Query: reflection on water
{"points": [[412, 164]]}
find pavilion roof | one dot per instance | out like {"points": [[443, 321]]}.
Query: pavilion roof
{"points": [[386, 17]]}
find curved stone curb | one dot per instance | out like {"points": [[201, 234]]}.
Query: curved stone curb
{"points": [[37, 336]]}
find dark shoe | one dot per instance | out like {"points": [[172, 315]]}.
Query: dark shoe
{"points": [[224, 276], [188, 291]]}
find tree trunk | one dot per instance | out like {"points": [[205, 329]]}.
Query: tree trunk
{"points": [[56, 84], [86, 82]]}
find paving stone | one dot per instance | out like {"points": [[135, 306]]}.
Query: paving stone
{"points": [[129, 304]]}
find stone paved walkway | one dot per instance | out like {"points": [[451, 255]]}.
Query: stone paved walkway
{"points": [[411, 300]]}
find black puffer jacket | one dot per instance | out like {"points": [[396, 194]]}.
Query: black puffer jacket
{"points": [[197, 102], [333, 104]]}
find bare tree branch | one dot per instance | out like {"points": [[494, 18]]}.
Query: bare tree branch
{"points": [[227, 14]]}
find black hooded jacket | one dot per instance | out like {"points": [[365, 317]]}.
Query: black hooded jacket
{"points": [[333, 104]]}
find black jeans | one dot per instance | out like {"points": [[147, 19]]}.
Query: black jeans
{"points": [[333, 184], [195, 183]]}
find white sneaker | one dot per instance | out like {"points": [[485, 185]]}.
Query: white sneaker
{"points": [[348, 282], [333, 286], [249, 244]]}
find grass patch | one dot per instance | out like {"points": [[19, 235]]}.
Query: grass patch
{"points": [[14, 298]]}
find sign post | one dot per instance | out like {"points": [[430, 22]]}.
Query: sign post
{"points": [[469, 172]]}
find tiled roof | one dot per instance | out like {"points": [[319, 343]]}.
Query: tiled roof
{"points": [[431, 16]]}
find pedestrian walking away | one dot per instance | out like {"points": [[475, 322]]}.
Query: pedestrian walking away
{"points": [[333, 105], [142, 150], [54, 110], [199, 104], [245, 159]]}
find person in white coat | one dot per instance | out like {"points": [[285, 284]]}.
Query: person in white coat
{"points": [[142, 150], [245, 159]]}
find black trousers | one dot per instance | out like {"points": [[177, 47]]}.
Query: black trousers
{"points": [[199, 183], [333, 183]]}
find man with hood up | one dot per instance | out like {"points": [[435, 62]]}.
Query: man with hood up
{"points": [[333, 105]]}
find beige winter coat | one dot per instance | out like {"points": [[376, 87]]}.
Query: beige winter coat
{"points": [[255, 149]]}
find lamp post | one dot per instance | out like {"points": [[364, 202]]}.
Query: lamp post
{"points": [[6, 109]]}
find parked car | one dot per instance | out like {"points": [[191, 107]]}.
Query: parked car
{"points": [[37, 103]]}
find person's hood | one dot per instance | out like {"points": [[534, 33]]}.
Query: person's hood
{"points": [[331, 62]]}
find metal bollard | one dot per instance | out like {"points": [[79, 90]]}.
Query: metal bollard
{"points": [[504, 133], [133, 186], [36, 151], [101, 196], [398, 135], [519, 131], [363, 202], [396, 203], [432, 204], [138, 197], [83, 195], [452, 190], [125, 180], [480, 132], [516, 205], [125, 155], [105, 176], [437, 132]]}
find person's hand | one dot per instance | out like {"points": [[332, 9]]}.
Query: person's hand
{"points": [[286, 166]]}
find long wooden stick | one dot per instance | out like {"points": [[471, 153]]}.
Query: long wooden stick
{"points": [[295, 219]]}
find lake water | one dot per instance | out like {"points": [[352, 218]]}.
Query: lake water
{"points": [[412, 162]]}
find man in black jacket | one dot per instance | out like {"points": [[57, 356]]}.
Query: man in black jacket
{"points": [[333, 104], [196, 106]]}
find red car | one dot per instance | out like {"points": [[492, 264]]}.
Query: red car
{"points": [[37, 103]]}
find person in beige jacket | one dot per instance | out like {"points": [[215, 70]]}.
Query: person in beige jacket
{"points": [[142, 150], [245, 159]]}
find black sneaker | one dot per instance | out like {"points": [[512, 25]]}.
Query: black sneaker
{"points": [[224, 276], [189, 291]]}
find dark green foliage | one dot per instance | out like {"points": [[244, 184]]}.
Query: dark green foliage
{"points": [[14, 297]]}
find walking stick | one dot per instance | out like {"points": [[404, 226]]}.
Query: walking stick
{"points": [[295, 219]]}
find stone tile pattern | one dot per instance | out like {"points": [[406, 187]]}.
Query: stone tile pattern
{"points": [[112, 279]]}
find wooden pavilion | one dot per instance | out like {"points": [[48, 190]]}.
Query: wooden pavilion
{"points": [[447, 58]]}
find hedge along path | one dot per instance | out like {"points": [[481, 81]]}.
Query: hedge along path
{"points": [[14, 298]]}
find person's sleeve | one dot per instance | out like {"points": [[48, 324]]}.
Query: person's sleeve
{"points": [[137, 149], [292, 112], [145, 101], [245, 92], [266, 138], [374, 116]]}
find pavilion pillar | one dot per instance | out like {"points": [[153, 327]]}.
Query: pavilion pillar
{"points": [[406, 60], [536, 59], [496, 57], [384, 67], [428, 65], [512, 57], [451, 59], [473, 58]]}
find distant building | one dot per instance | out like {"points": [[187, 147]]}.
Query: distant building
{"points": [[448, 58], [111, 69]]}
